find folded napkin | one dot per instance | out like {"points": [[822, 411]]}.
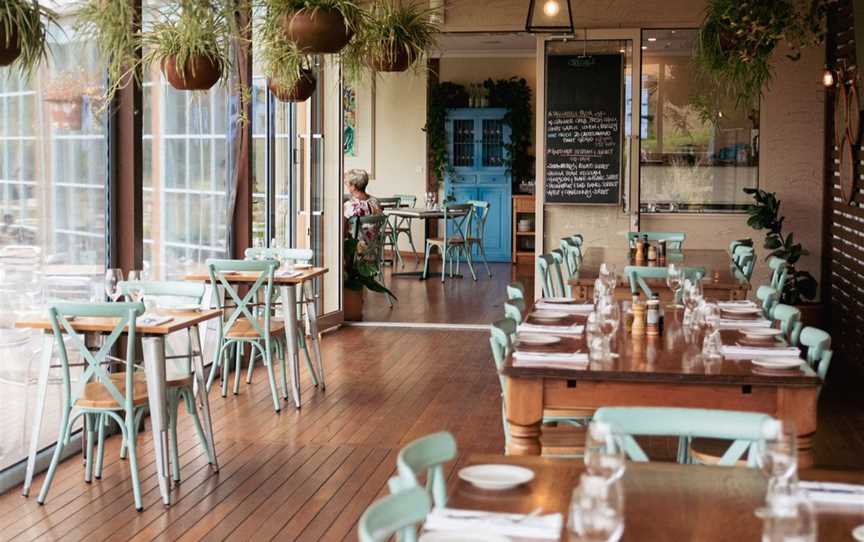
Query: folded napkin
{"points": [[546, 527], [740, 304], [550, 359], [578, 308], [556, 330], [153, 320], [288, 274], [754, 352], [834, 493], [727, 323]]}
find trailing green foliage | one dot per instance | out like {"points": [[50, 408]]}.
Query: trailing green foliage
{"points": [[352, 14], [32, 22], [442, 97], [765, 215], [514, 94], [282, 60], [360, 273]]}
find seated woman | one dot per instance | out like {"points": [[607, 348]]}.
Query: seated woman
{"points": [[360, 203]]}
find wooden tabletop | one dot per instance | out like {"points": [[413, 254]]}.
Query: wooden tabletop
{"points": [[179, 320], [720, 272], [671, 358], [307, 274], [422, 214], [663, 501]]}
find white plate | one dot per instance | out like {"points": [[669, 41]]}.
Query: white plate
{"points": [[302, 266], [549, 316], [760, 332], [449, 536], [180, 307], [536, 339], [741, 310], [561, 300], [496, 476], [779, 362], [858, 533]]}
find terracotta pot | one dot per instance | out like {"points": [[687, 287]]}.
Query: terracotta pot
{"points": [[402, 60], [317, 31], [201, 73], [66, 114], [300, 91], [353, 304], [8, 54]]}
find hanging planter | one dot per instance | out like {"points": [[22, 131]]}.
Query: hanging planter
{"points": [[23, 34], [301, 90], [10, 46], [317, 30], [398, 60], [198, 72]]}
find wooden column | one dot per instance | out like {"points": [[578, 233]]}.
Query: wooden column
{"points": [[242, 219], [432, 182]]}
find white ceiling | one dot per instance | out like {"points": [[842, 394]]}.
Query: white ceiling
{"points": [[468, 44]]}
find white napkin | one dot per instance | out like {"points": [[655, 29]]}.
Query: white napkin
{"points": [[834, 493], [153, 320], [555, 330], [738, 324], [754, 352], [740, 304], [577, 308], [567, 360], [546, 527], [288, 274]]}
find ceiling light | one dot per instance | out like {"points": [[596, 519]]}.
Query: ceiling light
{"points": [[652, 39], [644, 47], [551, 8], [553, 16], [828, 78]]}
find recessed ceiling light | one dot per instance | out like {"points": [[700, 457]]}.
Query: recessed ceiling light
{"points": [[621, 50], [652, 39], [644, 47]]}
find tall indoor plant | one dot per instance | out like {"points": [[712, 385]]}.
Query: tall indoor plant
{"points": [[24, 30], [359, 274]]}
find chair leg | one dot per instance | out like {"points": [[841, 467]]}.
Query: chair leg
{"points": [[428, 252], [189, 397], [444, 262], [173, 410], [268, 360], [470, 265], [280, 353], [411, 242], [301, 338], [485, 263], [100, 447], [252, 357], [226, 360], [215, 365], [91, 436], [238, 362], [55, 459], [131, 433]]}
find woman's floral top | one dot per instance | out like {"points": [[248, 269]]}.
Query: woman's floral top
{"points": [[368, 236]]}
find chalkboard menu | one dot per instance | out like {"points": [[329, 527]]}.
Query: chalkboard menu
{"points": [[583, 129]]}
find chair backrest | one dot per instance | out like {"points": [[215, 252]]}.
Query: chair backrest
{"points": [[779, 270], [561, 271], [299, 255], [406, 200], [549, 274], [371, 231], [399, 513], [769, 297], [245, 306], [458, 219], [789, 318], [744, 258], [637, 275], [515, 310], [572, 256], [389, 203], [746, 242], [745, 429], [193, 292], [515, 290], [428, 455], [501, 335], [819, 351], [478, 222], [126, 314], [674, 239]]}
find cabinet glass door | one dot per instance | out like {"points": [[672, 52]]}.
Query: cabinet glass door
{"points": [[492, 143], [463, 143]]}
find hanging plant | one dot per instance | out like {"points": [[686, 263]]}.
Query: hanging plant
{"points": [[24, 29], [289, 74], [514, 94], [317, 26], [737, 40], [191, 43], [394, 37], [442, 96]]}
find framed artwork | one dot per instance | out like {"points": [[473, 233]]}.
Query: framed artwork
{"points": [[358, 126]]}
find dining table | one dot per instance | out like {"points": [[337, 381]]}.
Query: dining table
{"points": [[288, 281], [153, 341], [722, 279], [665, 370], [662, 501], [426, 215]]}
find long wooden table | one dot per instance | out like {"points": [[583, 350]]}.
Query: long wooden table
{"points": [[722, 278], [287, 284], [153, 344], [663, 501], [656, 371]]}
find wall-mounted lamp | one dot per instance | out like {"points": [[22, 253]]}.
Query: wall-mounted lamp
{"points": [[828, 79], [549, 16]]}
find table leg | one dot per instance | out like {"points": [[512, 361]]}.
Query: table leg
{"points": [[524, 402], [202, 401], [154, 369], [289, 314], [312, 314], [41, 393]]}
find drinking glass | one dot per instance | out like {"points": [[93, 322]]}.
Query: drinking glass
{"points": [[674, 280], [136, 292], [611, 315], [598, 343], [778, 458], [601, 291], [692, 297], [607, 274], [789, 517], [597, 509], [113, 277], [604, 452]]}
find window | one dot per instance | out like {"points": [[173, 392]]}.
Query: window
{"points": [[695, 156], [53, 173]]}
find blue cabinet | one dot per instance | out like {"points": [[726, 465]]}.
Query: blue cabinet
{"points": [[476, 145]]}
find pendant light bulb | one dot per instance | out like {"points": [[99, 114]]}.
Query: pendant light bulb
{"points": [[551, 8], [828, 78]]}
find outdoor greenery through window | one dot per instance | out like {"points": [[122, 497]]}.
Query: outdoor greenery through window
{"points": [[696, 155]]}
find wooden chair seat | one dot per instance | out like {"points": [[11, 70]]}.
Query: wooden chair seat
{"points": [[97, 396], [243, 329], [451, 240], [708, 451]]}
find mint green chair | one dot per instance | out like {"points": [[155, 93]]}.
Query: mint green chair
{"points": [[819, 351], [515, 309], [98, 394], [572, 256], [746, 242], [240, 325], [457, 223], [563, 269], [674, 239], [501, 336], [428, 455], [744, 429], [744, 258], [397, 514], [477, 233], [549, 275], [390, 237], [515, 290], [637, 276], [402, 225], [768, 297], [779, 273], [789, 318]]}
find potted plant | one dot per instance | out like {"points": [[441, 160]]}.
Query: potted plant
{"points": [[764, 214], [24, 33], [394, 37], [317, 26], [190, 42], [360, 274], [289, 74], [65, 95]]}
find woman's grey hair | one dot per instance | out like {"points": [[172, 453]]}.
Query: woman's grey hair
{"points": [[357, 178]]}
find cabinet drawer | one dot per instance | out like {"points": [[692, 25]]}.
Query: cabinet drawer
{"points": [[493, 179], [464, 179]]}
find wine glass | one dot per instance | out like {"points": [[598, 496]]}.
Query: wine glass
{"points": [[607, 274], [113, 277], [133, 286], [674, 280], [611, 315], [604, 452], [597, 509], [778, 457], [789, 516]]}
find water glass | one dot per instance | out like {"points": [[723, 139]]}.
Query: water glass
{"points": [[608, 276], [113, 278], [789, 517], [598, 341], [597, 509], [712, 345], [778, 457], [604, 452], [674, 280]]}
